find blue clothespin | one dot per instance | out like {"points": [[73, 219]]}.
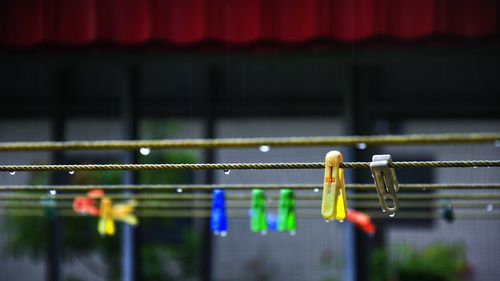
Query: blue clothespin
{"points": [[218, 220]]}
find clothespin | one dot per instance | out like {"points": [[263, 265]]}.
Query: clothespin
{"points": [[218, 219], [386, 182], [287, 220], [106, 225], [361, 221], [109, 213], [258, 221], [87, 205], [334, 203], [448, 213], [272, 221]]}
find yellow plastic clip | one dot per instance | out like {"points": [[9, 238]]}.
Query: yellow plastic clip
{"points": [[334, 203], [109, 213], [106, 225]]}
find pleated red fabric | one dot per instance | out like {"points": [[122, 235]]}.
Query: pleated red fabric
{"points": [[187, 22]]}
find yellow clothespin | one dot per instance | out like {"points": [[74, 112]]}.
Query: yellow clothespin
{"points": [[109, 213], [106, 225], [334, 203]]}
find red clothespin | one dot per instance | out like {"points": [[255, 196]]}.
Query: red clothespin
{"points": [[361, 221], [88, 205]]}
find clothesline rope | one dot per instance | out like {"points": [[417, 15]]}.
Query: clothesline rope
{"points": [[206, 205], [254, 142], [187, 187], [461, 215], [246, 197], [240, 166]]}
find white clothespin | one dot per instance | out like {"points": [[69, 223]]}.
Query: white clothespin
{"points": [[386, 182]]}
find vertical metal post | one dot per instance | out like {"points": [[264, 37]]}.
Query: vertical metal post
{"points": [[129, 242], [57, 133], [360, 122], [209, 155]]}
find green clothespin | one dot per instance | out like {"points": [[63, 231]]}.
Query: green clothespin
{"points": [[258, 222], [287, 219]]}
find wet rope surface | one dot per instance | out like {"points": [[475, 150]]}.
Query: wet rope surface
{"points": [[188, 187], [240, 166], [255, 142]]}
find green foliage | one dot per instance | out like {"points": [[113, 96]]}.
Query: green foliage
{"points": [[437, 262]]}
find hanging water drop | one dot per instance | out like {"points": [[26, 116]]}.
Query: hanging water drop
{"points": [[71, 172], [327, 221], [223, 233], [12, 172], [264, 232], [489, 207], [145, 151], [392, 215], [341, 220], [475, 167], [179, 190], [361, 145], [227, 171], [52, 192], [292, 233], [264, 148], [316, 190]]}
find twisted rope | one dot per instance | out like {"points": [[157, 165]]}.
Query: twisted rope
{"points": [[199, 197], [254, 142], [188, 187], [240, 166], [206, 205], [244, 215]]}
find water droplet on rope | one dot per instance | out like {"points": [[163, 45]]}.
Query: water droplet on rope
{"points": [[12, 172], [223, 233], [292, 233], [361, 145], [71, 172], [179, 190], [327, 221], [392, 215], [264, 232], [316, 190], [145, 151], [341, 220], [53, 192], [264, 148], [227, 171]]}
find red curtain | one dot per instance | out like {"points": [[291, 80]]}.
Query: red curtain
{"points": [[185, 22]]}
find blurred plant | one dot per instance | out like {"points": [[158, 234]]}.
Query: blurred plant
{"points": [[329, 266], [437, 262], [27, 236], [260, 269]]}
